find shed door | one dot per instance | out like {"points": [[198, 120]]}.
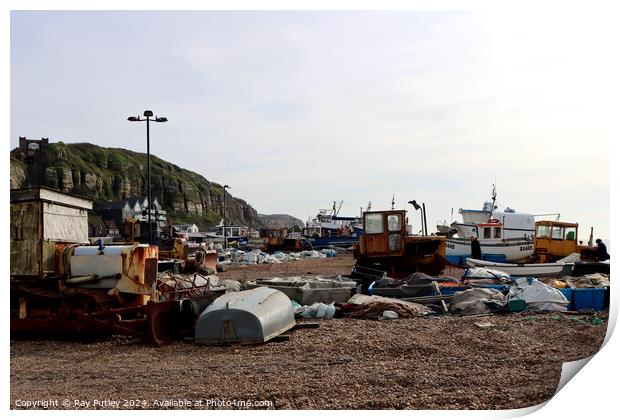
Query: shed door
{"points": [[25, 248]]}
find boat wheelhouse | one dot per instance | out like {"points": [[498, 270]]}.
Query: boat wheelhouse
{"points": [[328, 228], [504, 236]]}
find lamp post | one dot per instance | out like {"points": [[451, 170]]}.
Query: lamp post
{"points": [[148, 114], [422, 215], [225, 187]]}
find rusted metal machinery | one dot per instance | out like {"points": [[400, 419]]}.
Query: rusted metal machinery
{"points": [[387, 245], [192, 257], [279, 240], [100, 290], [61, 286]]}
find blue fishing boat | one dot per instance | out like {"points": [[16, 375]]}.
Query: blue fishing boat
{"points": [[330, 229]]}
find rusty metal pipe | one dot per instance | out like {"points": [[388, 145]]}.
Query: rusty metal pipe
{"points": [[90, 278], [116, 311], [82, 279]]}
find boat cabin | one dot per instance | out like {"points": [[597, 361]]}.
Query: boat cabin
{"points": [[387, 245], [491, 230], [555, 240], [496, 225], [322, 232]]}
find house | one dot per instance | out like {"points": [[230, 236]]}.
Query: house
{"points": [[113, 230], [100, 228], [133, 207], [96, 227], [187, 228]]}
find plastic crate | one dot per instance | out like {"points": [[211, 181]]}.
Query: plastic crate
{"points": [[516, 305], [568, 293], [589, 298]]}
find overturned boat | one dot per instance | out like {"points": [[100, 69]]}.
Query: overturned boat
{"points": [[248, 317], [526, 270]]}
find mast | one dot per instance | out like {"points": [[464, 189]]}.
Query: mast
{"points": [[493, 198]]}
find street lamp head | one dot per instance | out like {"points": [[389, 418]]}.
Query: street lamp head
{"points": [[161, 119], [148, 113], [133, 119], [414, 204]]}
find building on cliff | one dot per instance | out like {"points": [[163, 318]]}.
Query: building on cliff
{"points": [[133, 207], [33, 150]]}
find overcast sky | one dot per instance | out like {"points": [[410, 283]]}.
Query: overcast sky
{"points": [[297, 109]]}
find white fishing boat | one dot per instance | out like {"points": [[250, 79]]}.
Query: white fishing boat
{"points": [[526, 270], [504, 236]]}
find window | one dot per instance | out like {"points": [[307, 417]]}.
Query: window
{"points": [[542, 231], [373, 223], [487, 233], [557, 232], [394, 241], [393, 222], [571, 234], [498, 232]]}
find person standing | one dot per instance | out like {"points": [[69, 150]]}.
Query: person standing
{"points": [[601, 251], [476, 251]]}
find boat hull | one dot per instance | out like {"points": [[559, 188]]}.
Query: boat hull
{"points": [[525, 270], [458, 250], [343, 241], [247, 317]]}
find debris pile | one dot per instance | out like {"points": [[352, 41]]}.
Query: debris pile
{"points": [[417, 284], [587, 281], [179, 286], [257, 256], [363, 306], [308, 290], [317, 310], [477, 301]]}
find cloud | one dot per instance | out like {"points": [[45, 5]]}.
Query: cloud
{"points": [[295, 110]]}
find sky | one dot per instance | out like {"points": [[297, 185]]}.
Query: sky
{"points": [[295, 110]]}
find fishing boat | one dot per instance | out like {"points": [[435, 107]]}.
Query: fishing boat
{"points": [[328, 228], [235, 233], [526, 270], [504, 236]]}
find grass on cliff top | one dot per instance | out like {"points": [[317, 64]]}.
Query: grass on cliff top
{"points": [[113, 165]]}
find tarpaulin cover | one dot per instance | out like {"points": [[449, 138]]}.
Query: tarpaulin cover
{"points": [[537, 295], [477, 301], [374, 306]]}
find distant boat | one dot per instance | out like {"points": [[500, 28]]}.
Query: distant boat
{"points": [[526, 270], [328, 228], [234, 233], [503, 235]]}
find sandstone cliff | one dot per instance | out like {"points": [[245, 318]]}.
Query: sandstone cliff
{"points": [[109, 174]]}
